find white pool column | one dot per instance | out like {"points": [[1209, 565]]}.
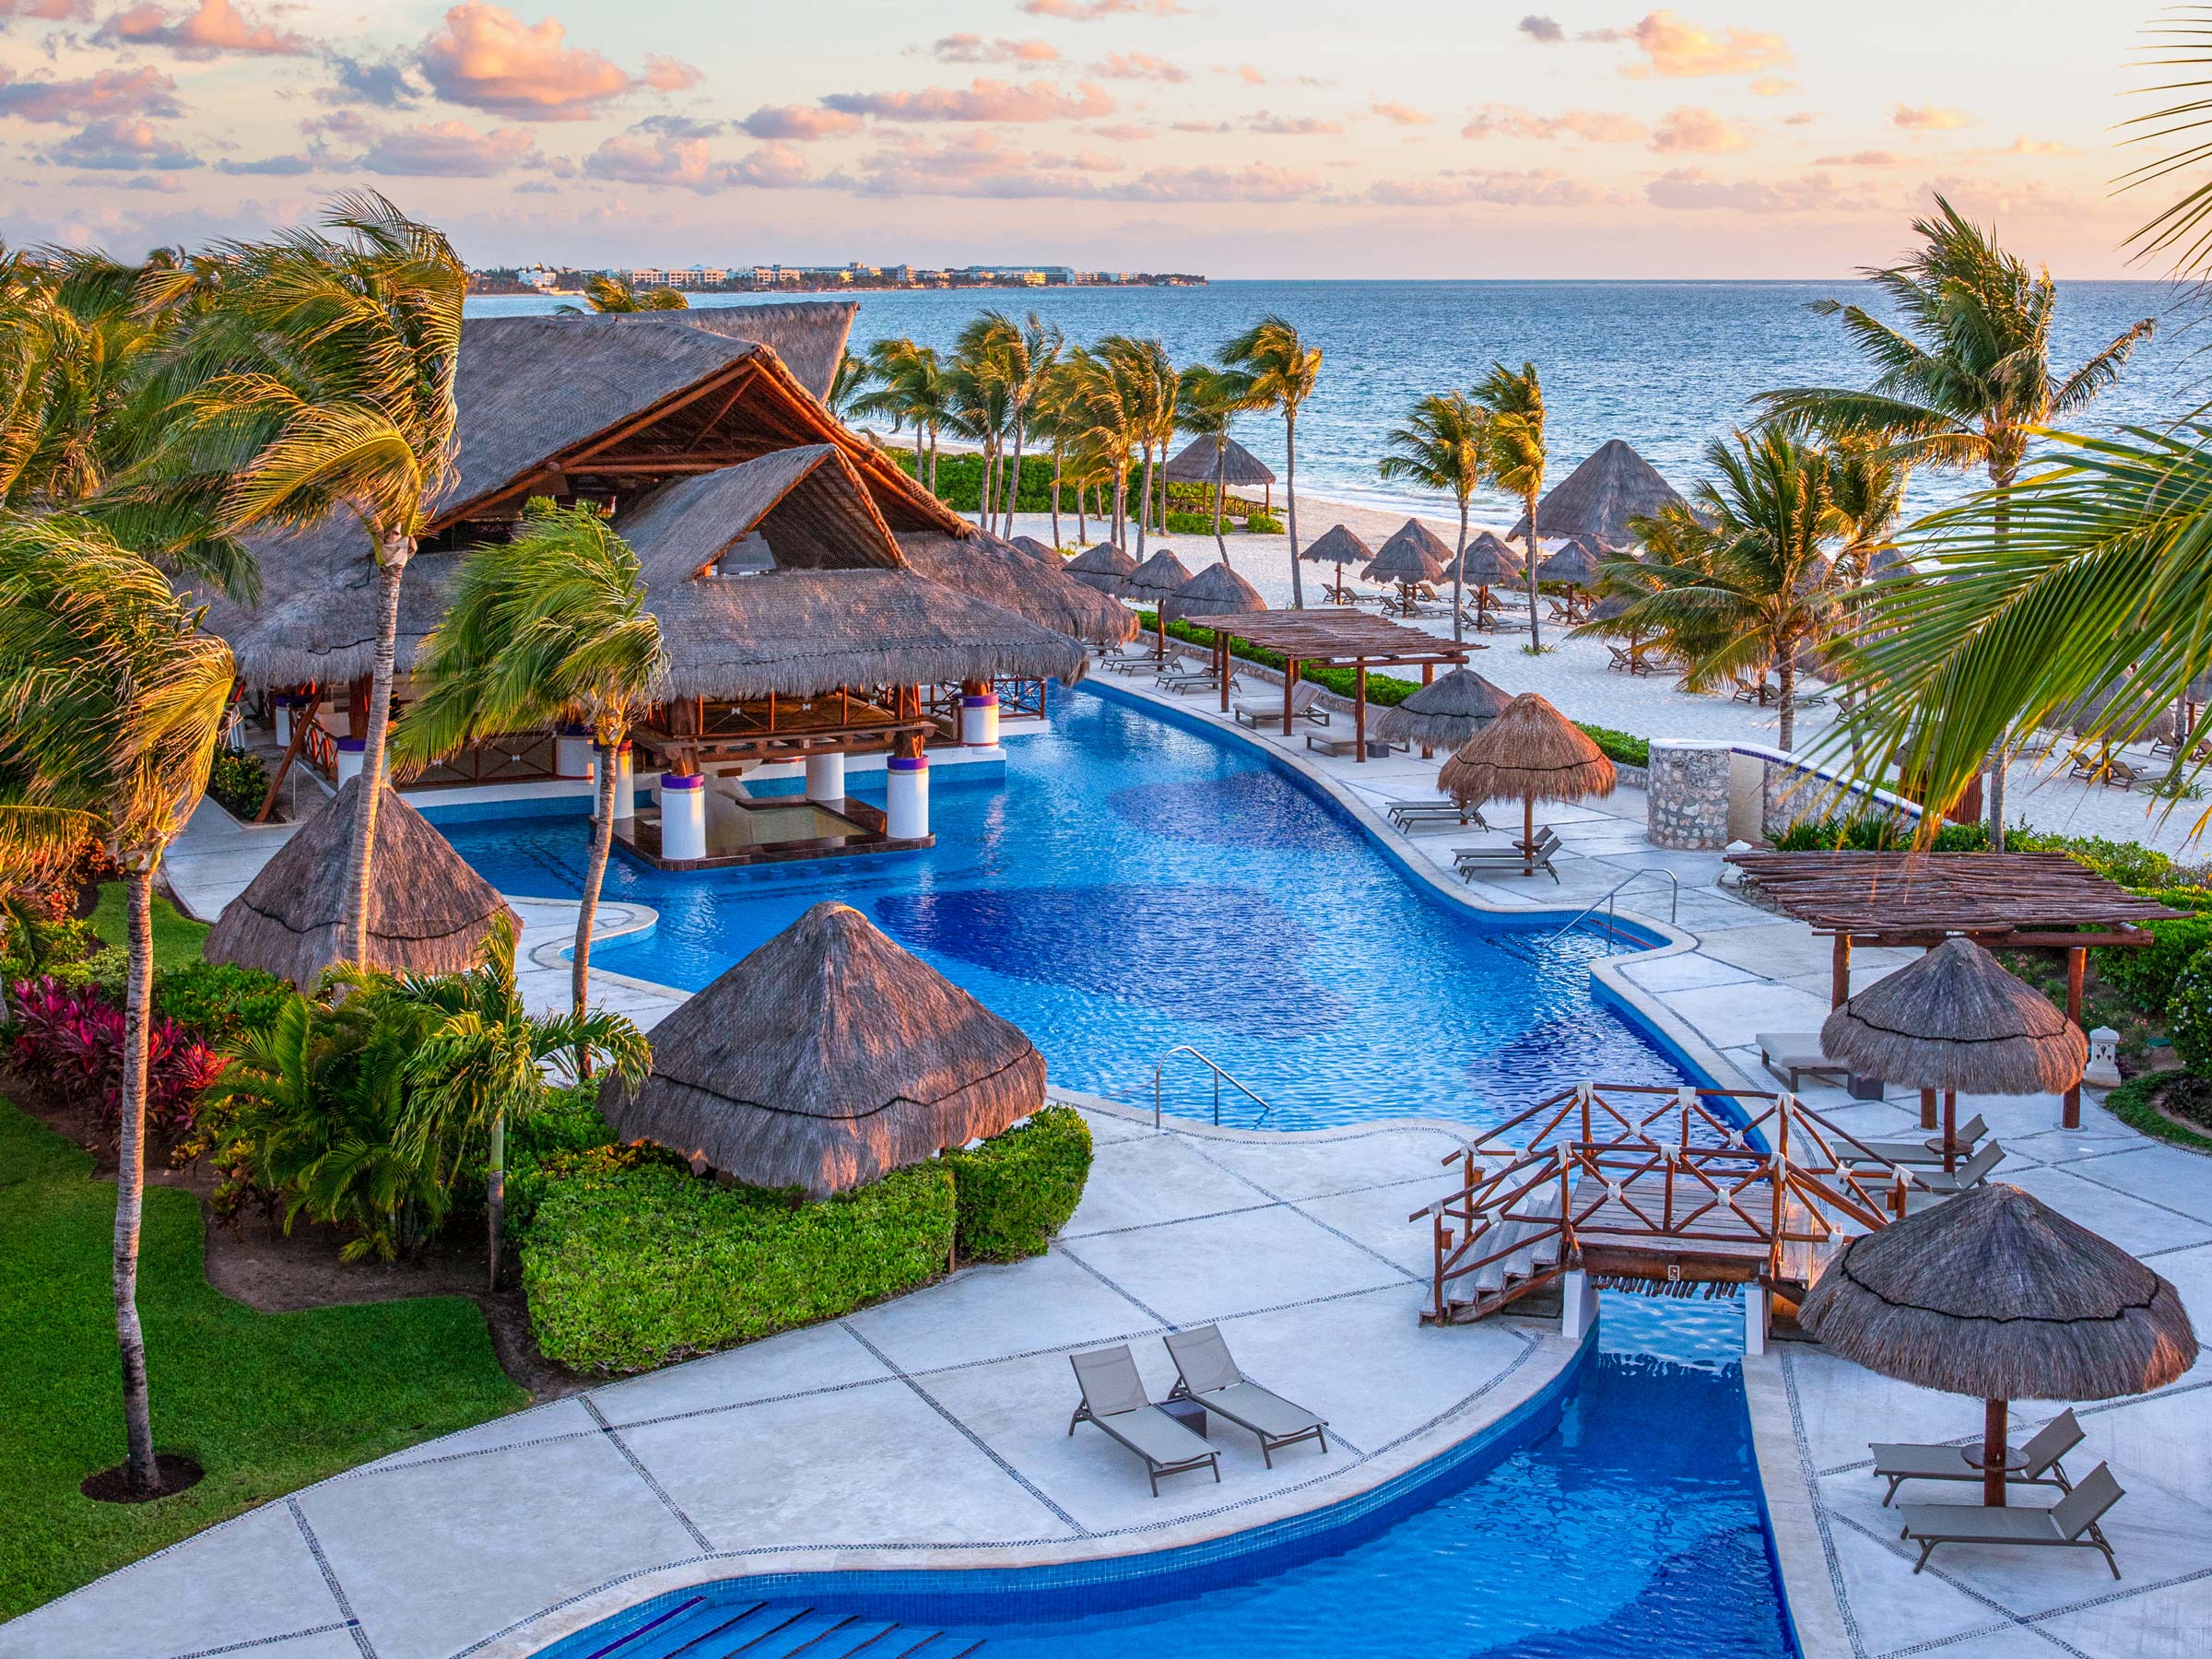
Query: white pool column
{"points": [[906, 797], [1756, 1315], [572, 752], [284, 721], [979, 721], [1578, 1305], [683, 815], [826, 778], [350, 753]]}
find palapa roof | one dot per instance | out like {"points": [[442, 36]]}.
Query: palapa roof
{"points": [[1101, 567], [808, 334], [809, 503], [1337, 545], [1601, 496], [1488, 560], [986, 568], [428, 910], [1575, 564], [1336, 634], [1996, 1295], [826, 1059], [1415, 553], [1217, 590], [1894, 894], [1037, 551], [1195, 461], [1159, 576], [1529, 752], [1956, 1019], [1446, 714]]}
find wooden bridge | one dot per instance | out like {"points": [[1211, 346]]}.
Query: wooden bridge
{"points": [[1659, 1186]]}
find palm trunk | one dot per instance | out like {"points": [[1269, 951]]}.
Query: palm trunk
{"points": [[142, 1475], [1786, 674], [595, 876], [1994, 802], [1220, 474], [1457, 574], [1297, 585], [1121, 509], [1535, 631], [1144, 491], [933, 457], [1083, 513], [1014, 480], [393, 553], [495, 1191], [983, 494], [1057, 461]]}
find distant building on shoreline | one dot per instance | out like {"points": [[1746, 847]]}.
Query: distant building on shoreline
{"points": [[783, 278]]}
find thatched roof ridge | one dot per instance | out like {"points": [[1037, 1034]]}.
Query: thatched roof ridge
{"points": [[1195, 463], [1154, 580], [1955, 1019], [1487, 562], [1415, 553], [1101, 568], [1601, 496], [809, 504], [826, 1059], [1446, 714], [1048, 556], [809, 336], [988, 568], [428, 910], [1996, 1295], [1529, 751], [1575, 564], [1337, 545], [1216, 591]]}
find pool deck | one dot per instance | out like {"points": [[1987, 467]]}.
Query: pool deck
{"points": [[978, 1362]]}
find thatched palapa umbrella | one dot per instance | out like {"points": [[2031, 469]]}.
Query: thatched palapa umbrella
{"points": [[1337, 546], [1956, 1020], [1531, 751], [1995, 1295], [1216, 591], [826, 1059], [429, 911], [1446, 714], [1199, 462], [1487, 562], [1101, 568], [1601, 496], [1036, 549], [1153, 582], [1415, 554], [1573, 566]]}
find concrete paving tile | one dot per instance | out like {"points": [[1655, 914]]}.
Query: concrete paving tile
{"points": [[1685, 972], [1157, 1178], [2163, 1619], [1302, 1169], [1194, 1271], [2164, 1175], [1730, 1015], [820, 1356], [1845, 1406], [1896, 1607], [247, 1578], [2127, 1222], [430, 1563], [1377, 1218], [989, 1311], [554, 1419]]}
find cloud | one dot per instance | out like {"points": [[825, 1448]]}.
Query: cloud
{"points": [[1249, 75], [1594, 127], [1536, 188], [974, 49], [1545, 29], [1800, 118], [1867, 157], [121, 143], [1697, 132], [387, 82], [1291, 126], [1261, 181], [1140, 65], [143, 91], [449, 149], [1200, 126], [981, 99], [1929, 118], [487, 58], [209, 27], [801, 122], [282, 167], [1402, 115], [1122, 132], [1773, 85], [1691, 189], [682, 163], [1081, 161], [680, 126], [43, 11], [2029, 146], [1091, 11], [160, 184], [1676, 50]]}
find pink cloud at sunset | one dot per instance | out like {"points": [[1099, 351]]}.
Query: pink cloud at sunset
{"points": [[203, 29], [487, 58]]}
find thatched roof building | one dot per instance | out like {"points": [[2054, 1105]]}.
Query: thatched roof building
{"points": [[1194, 464], [1600, 496], [1415, 553], [429, 911], [1156, 578], [1487, 562], [1575, 564], [1216, 591], [1337, 545], [826, 1059], [1529, 752], [1954, 1020], [1445, 714], [999, 573], [1101, 568]]}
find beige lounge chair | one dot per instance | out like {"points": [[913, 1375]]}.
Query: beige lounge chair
{"points": [[1113, 1398], [1794, 1055], [1304, 705], [1912, 1154], [1205, 1373], [2071, 1522], [1969, 1175], [1376, 747], [1898, 1464], [1511, 860]]}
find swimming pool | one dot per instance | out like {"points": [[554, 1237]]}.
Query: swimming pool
{"points": [[1133, 884]]}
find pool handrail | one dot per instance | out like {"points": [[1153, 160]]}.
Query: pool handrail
{"points": [[1674, 904], [1220, 1076]]}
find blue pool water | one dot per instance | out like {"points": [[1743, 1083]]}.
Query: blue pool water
{"points": [[1133, 884]]}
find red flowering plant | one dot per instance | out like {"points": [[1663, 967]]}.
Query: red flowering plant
{"points": [[70, 1040]]}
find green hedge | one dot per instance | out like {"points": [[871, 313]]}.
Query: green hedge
{"points": [[1874, 832], [220, 1002], [631, 1268], [2146, 973], [1015, 1191], [2132, 1104]]}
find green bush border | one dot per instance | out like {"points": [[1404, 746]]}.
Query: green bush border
{"points": [[1018, 1188], [2132, 1104]]}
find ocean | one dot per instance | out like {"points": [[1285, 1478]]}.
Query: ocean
{"points": [[1668, 366]]}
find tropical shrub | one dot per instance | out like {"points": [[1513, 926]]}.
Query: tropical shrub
{"points": [[2146, 973], [2189, 1014], [1623, 748], [220, 1002], [1193, 523], [1263, 523], [69, 1040], [67, 939], [1018, 1189], [2130, 864], [630, 1268], [239, 781]]}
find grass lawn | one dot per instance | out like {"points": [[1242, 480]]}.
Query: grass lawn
{"points": [[265, 1401], [176, 936]]}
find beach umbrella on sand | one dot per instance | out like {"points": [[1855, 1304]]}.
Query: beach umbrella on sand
{"points": [[1413, 556], [1444, 715], [1153, 582], [1575, 565], [1216, 591], [1037, 549], [1339, 547], [1956, 1020], [1995, 1295], [1531, 752], [1101, 567], [2115, 715], [1601, 496], [1487, 562]]}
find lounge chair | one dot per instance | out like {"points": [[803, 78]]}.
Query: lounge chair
{"points": [[1412, 816], [1794, 1055], [1471, 862], [1180, 679], [1113, 1398], [1376, 747], [1303, 705], [1911, 1153], [1205, 1373], [2071, 1522], [1898, 1464], [1138, 661], [1967, 1176]]}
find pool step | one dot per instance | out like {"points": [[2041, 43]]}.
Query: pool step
{"points": [[1498, 1284], [703, 1630]]}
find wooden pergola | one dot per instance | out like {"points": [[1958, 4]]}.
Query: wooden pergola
{"points": [[1340, 639], [2000, 900]]}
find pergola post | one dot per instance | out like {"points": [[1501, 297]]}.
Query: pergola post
{"points": [[1427, 678], [1290, 682], [1839, 971], [1359, 712], [1221, 664], [2077, 959]]}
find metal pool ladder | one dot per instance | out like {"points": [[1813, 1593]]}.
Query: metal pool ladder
{"points": [[1674, 903], [1220, 1077]]}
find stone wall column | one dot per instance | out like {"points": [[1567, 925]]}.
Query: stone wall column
{"points": [[1688, 794]]}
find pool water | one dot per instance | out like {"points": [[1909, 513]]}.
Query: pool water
{"points": [[1133, 884]]}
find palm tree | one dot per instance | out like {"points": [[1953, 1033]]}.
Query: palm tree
{"points": [[111, 701], [1444, 445], [907, 385], [1964, 381], [1041, 343], [321, 381], [612, 294], [847, 384], [1743, 582], [1283, 369], [1514, 403], [548, 628], [985, 372], [1145, 380], [1099, 412], [1207, 400]]}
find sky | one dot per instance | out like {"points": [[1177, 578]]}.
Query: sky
{"points": [[1289, 138]]}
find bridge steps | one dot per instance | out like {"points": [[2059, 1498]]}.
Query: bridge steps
{"points": [[1509, 1278]]}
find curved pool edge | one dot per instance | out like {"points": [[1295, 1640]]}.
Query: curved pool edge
{"points": [[1522, 1406], [1805, 1574]]}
